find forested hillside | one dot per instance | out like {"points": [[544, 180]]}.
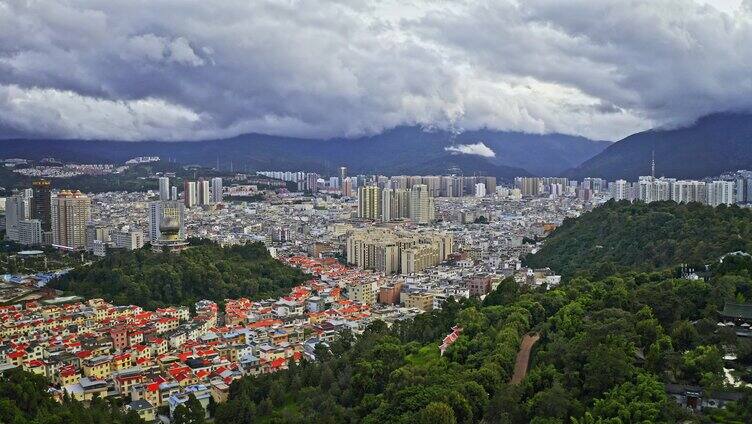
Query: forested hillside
{"points": [[24, 400], [608, 348], [623, 235], [207, 271]]}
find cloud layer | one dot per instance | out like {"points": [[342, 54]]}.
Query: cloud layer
{"points": [[189, 69], [478, 149]]}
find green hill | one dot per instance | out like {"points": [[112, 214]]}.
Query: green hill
{"points": [[608, 348], [208, 271], [623, 235]]}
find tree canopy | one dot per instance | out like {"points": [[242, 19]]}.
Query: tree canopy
{"points": [[205, 271], [619, 236]]}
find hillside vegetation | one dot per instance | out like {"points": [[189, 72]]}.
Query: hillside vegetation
{"points": [[623, 235], [608, 348], [207, 271]]}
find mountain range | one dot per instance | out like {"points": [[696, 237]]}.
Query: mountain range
{"points": [[402, 150], [711, 146]]}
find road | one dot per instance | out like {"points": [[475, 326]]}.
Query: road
{"points": [[523, 357]]}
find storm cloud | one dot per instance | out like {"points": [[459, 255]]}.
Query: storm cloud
{"points": [[186, 70]]}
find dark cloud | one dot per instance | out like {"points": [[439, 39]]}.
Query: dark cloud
{"points": [[177, 69]]}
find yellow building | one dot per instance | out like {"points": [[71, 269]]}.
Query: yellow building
{"points": [[71, 211]]}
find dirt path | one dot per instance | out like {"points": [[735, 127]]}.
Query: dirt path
{"points": [[523, 357]]}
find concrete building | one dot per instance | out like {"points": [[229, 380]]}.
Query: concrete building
{"points": [[364, 292], [216, 190], [480, 190], [71, 212], [720, 193], [17, 209], [204, 196], [369, 202], [42, 203], [190, 196], [30, 232], [129, 240], [393, 251], [158, 210], [164, 188], [386, 204], [422, 209]]}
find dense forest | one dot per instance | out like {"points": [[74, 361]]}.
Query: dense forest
{"points": [[608, 346], [646, 237], [205, 271], [24, 400]]}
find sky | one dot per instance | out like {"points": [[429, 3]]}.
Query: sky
{"points": [[190, 70]]}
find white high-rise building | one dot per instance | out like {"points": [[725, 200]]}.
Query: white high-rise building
{"points": [[620, 190], [686, 191], [17, 209], [386, 204], [655, 189], [421, 204], [216, 189], [480, 190], [720, 193], [30, 232], [164, 188], [173, 193]]}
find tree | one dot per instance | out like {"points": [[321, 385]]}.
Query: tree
{"points": [[191, 412], [437, 413]]}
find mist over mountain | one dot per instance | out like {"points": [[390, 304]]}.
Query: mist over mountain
{"points": [[712, 145], [403, 150]]}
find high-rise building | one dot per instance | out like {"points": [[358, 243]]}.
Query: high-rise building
{"points": [[342, 173], [96, 234], [17, 209], [312, 182], [529, 186], [620, 190], [720, 193], [421, 205], [386, 204], [158, 210], [689, 191], [394, 250], [164, 188], [129, 240], [30, 232], [347, 187], [170, 227], [42, 203], [480, 190], [190, 197], [369, 202], [204, 197], [71, 212], [216, 189], [655, 189], [173, 193]]}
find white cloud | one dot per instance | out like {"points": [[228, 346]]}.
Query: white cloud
{"points": [[479, 149], [90, 68]]}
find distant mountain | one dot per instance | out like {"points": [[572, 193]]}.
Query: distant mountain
{"points": [[400, 150], [712, 145]]}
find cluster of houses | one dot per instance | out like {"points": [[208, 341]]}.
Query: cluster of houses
{"points": [[159, 359]]}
